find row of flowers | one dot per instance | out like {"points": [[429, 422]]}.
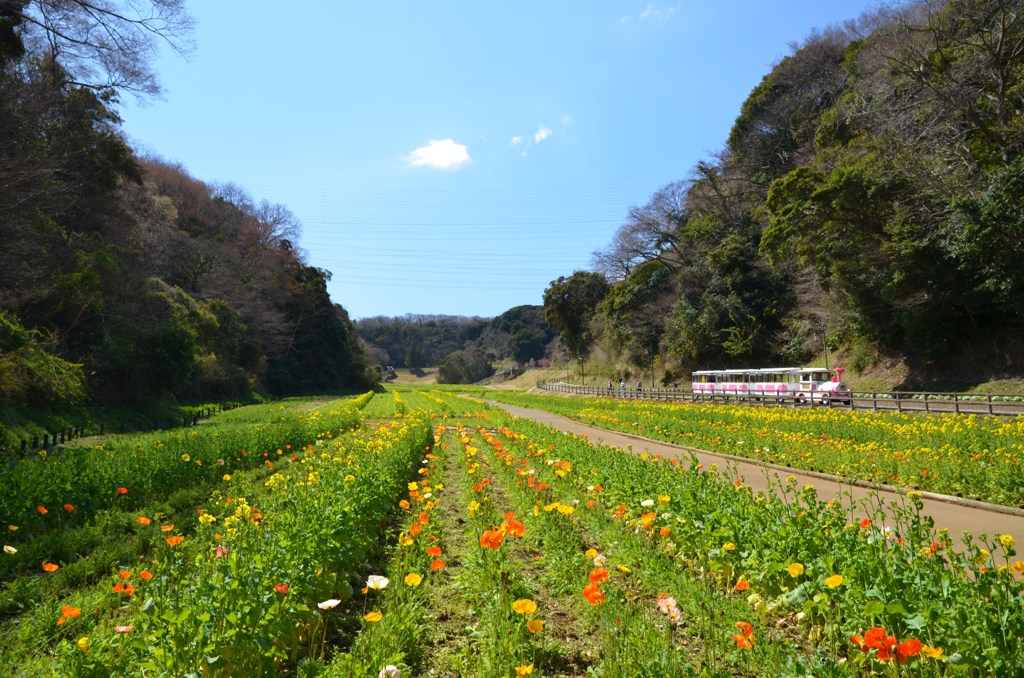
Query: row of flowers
{"points": [[252, 589], [953, 454], [802, 564]]}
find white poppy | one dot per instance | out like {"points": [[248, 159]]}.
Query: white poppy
{"points": [[377, 582], [329, 604]]}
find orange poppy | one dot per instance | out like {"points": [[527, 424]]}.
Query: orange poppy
{"points": [[593, 595], [437, 565], [143, 520], [174, 541], [434, 551], [424, 518], [864, 524], [619, 511], [403, 505], [478, 488], [67, 612], [281, 588], [742, 585], [122, 490], [665, 531], [146, 574], [510, 516], [42, 510], [415, 529], [745, 638], [492, 539], [514, 528], [50, 567], [598, 575], [69, 507], [166, 528], [124, 574]]}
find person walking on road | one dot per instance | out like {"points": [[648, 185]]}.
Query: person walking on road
{"points": [[610, 387], [622, 386], [639, 386]]}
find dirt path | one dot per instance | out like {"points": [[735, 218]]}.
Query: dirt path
{"points": [[954, 517]]}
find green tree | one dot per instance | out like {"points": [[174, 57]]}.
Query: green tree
{"points": [[570, 303]]}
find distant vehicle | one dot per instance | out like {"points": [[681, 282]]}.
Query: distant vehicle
{"points": [[814, 385]]}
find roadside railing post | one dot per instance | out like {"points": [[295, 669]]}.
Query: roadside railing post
{"points": [[990, 404], [956, 403]]}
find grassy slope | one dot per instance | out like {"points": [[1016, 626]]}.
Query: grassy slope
{"points": [[415, 377]]}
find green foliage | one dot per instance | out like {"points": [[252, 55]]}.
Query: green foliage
{"points": [[570, 303], [30, 375], [464, 367]]}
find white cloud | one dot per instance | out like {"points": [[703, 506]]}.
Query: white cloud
{"points": [[566, 119], [516, 140], [623, 20], [653, 12], [440, 154], [542, 134]]}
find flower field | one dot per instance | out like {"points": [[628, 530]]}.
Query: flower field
{"points": [[966, 455], [420, 533]]}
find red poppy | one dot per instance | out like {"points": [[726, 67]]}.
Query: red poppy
{"points": [[864, 524], [437, 565], [591, 503], [478, 488], [593, 595], [122, 490], [434, 551], [281, 588], [619, 511]]}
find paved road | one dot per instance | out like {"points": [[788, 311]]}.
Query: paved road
{"points": [[952, 516]]}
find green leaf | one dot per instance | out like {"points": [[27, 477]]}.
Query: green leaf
{"points": [[873, 607], [917, 622], [896, 608]]}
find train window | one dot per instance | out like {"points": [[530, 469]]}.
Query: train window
{"points": [[822, 376]]}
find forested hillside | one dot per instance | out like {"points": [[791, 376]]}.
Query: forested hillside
{"points": [[520, 334], [870, 192], [122, 278]]}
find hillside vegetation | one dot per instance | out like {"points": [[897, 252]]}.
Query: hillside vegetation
{"points": [[867, 196], [123, 279]]}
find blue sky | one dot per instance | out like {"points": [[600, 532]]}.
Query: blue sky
{"points": [[456, 157]]}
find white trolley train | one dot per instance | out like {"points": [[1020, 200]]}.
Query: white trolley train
{"points": [[815, 385]]}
